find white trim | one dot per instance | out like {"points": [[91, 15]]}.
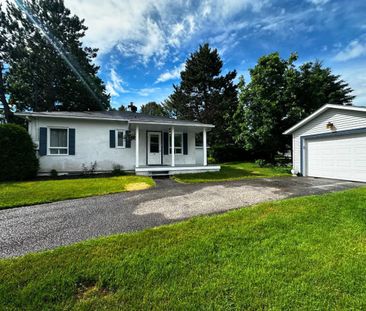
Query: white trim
{"points": [[26, 114], [172, 144], [172, 123], [124, 139], [320, 111], [204, 147], [137, 148], [182, 123], [49, 141]]}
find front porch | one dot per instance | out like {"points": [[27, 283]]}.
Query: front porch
{"points": [[168, 149], [161, 170]]}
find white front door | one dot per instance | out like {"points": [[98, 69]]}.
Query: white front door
{"points": [[154, 148]]}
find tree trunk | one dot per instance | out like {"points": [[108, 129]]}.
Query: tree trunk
{"points": [[7, 111]]}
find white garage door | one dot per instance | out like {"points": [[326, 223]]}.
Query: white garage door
{"points": [[342, 157]]}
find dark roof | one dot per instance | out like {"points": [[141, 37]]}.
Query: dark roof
{"points": [[112, 115]]}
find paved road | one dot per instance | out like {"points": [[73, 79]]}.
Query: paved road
{"points": [[46, 226]]}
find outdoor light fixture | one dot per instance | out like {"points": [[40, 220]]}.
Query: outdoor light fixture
{"points": [[330, 125]]}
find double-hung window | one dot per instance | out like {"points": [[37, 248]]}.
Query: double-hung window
{"points": [[121, 139], [178, 142], [58, 143]]}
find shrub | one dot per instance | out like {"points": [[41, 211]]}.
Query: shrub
{"points": [[54, 173], [263, 163], [18, 159], [89, 170], [117, 170], [229, 153]]}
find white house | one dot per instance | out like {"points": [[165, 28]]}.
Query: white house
{"points": [[331, 143], [69, 141]]}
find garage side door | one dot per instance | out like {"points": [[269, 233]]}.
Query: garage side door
{"points": [[342, 157]]}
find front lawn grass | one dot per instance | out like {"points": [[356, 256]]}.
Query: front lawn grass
{"points": [[234, 171], [14, 194], [305, 253]]}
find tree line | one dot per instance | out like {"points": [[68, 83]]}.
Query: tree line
{"points": [[45, 66]]}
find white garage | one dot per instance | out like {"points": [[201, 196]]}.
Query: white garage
{"points": [[331, 143]]}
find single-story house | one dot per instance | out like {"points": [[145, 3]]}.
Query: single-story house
{"points": [[71, 142], [331, 143]]}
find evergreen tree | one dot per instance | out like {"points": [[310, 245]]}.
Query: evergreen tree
{"points": [[49, 69], [154, 109], [206, 95]]}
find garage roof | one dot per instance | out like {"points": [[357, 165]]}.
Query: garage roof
{"points": [[320, 111]]}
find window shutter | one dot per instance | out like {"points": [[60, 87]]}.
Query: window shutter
{"points": [[185, 143], [71, 141], [42, 141], [112, 139], [166, 146], [128, 139]]}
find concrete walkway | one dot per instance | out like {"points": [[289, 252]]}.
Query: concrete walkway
{"points": [[46, 226]]}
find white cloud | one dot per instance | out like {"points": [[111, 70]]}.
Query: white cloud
{"points": [[114, 85], [147, 91], [355, 75], [318, 2], [354, 49], [171, 74], [149, 29]]}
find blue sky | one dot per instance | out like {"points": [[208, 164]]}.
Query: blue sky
{"points": [[144, 44]]}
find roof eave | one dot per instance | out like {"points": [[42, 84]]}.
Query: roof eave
{"points": [[318, 112], [39, 115], [172, 123], [26, 114]]}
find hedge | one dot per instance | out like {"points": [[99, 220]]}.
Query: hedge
{"points": [[18, 160]]}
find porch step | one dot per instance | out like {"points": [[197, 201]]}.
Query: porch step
{"points": [[158, 173]]}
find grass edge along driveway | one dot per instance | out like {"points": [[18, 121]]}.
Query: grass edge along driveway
{"points": [[13, 194], [302, 253], [234, 171]]}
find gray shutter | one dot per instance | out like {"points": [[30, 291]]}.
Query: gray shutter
{"points": [[128, 139], [166, 144], [112, 139], [71, 141], [185, 143], [42, 141]]}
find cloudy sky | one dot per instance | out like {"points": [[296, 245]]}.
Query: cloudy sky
{"points": [[144, 44]]}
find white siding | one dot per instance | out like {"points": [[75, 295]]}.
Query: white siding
{"points": [[92, 144], [342, 120]]}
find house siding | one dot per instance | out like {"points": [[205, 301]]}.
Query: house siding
{"points": [[342, 120], [92, 145]]}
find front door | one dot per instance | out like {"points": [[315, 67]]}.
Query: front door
{"points": [[154, 148]]}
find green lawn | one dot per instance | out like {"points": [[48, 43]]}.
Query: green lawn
{"points": [[234, 171], [305, 253], [33, 192]]}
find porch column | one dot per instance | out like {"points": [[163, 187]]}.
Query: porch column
{"points": [[204, 147], [172, 144], [137, 145]]}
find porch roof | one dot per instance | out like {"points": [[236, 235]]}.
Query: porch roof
{"points": [[130, 117]]}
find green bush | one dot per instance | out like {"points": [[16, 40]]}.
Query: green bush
{"points": [[18, 160], [54, 173]]}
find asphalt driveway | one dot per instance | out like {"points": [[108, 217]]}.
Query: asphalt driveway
{"points": [[46, 226]]}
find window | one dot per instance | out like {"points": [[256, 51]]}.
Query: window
{"points": [[199, 139], [58, 141], [120, 143], [154, 143], [178, 141]]}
